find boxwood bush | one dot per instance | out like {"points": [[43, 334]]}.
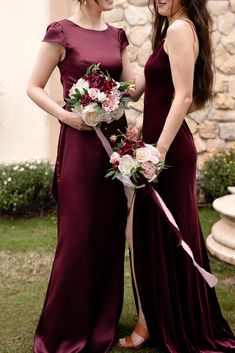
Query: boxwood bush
{"points": [[217, 174], [25, 188]]}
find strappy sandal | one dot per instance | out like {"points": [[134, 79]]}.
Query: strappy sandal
{"points": [[129, 344]]}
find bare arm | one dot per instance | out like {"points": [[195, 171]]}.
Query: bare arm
{"points": [[182, 61], [49, 56], [127, 74]]}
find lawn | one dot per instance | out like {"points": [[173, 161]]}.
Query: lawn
{"points": [[26, 253]]}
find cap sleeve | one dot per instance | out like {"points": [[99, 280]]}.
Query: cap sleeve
{"points": [[123, 39], [55, 34]]}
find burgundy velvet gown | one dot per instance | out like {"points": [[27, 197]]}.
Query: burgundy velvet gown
{"points": [[85, 292], [181, 310]]}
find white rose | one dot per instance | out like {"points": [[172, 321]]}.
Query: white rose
{"points": [[91, 116], [82, 84], [90, 108], [72, 91], [155, 154], [143, 155], [79, 85], [126, 164], [101, 97], [154, 160]]}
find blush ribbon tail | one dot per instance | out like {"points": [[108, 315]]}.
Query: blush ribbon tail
{"points": [[208, 277], [108, 149], [104, 141]]}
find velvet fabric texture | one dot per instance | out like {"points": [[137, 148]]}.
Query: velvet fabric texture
{"points": [[181, 310], [85, 292]]}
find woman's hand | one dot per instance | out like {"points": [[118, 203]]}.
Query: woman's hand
{"points": [[75, 121], [162, 158]]}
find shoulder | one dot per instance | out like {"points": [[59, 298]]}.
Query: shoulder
{"points": [[120, 35], [116, 30], [55, 25], [180, 32], [180, 28], [55, 33]]}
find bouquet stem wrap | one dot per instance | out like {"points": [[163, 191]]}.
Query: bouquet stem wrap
{"points": [[208, 277]]}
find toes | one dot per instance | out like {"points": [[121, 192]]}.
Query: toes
{"points": [[122, 342]]}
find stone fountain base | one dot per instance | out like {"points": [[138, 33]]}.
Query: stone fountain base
{"points": [[221, 242]]}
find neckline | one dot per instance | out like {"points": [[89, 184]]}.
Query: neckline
{"points": [[87, 29]]}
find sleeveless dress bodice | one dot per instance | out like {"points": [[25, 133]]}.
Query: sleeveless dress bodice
{"points": [[182, 313]]}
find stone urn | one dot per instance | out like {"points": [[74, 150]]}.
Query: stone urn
{"points": [[221, 241]]}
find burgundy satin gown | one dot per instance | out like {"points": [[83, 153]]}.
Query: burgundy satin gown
{"points": [[85, 292], [181, 311]]}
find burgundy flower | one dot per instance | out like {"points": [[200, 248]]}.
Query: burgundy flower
{"points": [[128, 148], [141, 144], [96, 80], [86, 99]]}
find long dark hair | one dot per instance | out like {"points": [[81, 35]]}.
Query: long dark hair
{"points": [[203, 75]]}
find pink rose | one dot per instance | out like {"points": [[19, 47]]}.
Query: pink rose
{"points": [[149, 171], [115, 158], [94, 93], [111, 103]]}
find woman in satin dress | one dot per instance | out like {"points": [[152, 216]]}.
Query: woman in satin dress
{"points": [[176, 307], [85, 291]]}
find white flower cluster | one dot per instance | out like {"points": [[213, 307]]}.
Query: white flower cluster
{"points": [[146, 159]]}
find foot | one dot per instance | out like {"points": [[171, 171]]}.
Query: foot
{"points": [[136, 340]]}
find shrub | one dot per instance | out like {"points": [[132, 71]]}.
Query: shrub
{"points": [[25, 188], [217, 174]]}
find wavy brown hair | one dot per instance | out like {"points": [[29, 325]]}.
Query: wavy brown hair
{"points": [[197, 12]]}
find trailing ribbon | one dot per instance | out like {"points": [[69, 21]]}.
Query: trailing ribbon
{"points": [[208, 277]]}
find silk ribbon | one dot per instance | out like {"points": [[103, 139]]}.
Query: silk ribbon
{"points": [[208, 277]]}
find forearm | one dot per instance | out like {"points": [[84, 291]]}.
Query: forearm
{"points": [[174, 120], [44, 101]]}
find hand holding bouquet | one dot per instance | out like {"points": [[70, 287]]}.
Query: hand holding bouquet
{"points": [[133, 160], [98, 97]]}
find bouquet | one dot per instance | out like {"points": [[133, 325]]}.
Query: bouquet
{"points": [[134, 160], [98, 97]]}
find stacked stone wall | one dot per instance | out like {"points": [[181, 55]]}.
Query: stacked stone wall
{"points": [[213, 127]]}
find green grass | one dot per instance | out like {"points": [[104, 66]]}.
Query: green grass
{"points": [[28, 234], [26, 252]]}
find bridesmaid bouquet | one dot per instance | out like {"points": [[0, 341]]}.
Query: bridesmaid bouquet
{"points": [[98, 97], [133, 160]]}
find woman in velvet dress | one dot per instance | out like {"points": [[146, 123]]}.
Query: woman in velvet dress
{"points": [[84, 296], [177, 309]]}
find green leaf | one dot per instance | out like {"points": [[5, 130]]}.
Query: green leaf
{"points": [[110, 173], [124, 107], [78, 94], [72, 101], [126, 99], [116, 148]]}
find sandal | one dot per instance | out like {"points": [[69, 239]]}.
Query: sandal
{"points": [[128, 341]]}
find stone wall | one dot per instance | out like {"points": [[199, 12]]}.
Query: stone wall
{"points": [[214, 127]]}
